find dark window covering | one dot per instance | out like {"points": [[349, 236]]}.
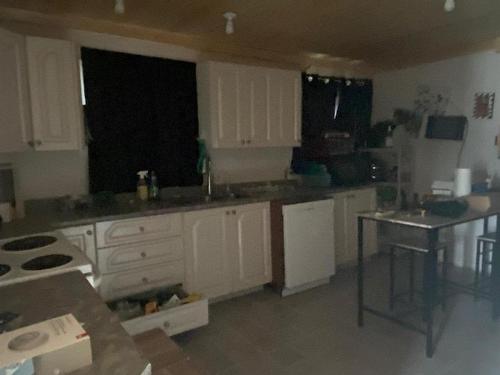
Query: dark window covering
{"points": [[141, 113], [318, 106]]}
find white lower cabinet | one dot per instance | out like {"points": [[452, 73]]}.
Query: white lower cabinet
{"points": [[125, 257], [227, 249], [347, 205], [206, 252], [253, 245], [125, 283]]}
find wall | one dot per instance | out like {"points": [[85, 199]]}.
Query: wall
{"points": [[459, 78]]}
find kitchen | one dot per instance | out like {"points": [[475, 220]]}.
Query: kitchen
{"points": [[194, 261]]}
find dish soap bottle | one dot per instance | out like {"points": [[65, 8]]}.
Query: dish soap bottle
{"points": [[154, 187], [142, 186]]}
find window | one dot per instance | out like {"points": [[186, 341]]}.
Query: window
{"points": [[141, 114]]}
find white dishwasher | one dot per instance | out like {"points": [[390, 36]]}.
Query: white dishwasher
{"points": [[309, 247]]}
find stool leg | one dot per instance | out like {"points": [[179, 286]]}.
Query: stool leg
{"points": [[444, 285], [476, 270], [392, 278], [412, 276], [484, 260]]}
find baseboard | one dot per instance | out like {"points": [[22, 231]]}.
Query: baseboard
{"points": [[289, 291]]}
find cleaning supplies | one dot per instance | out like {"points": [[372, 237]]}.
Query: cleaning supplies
{"points": [[154, 187], [202, 156], [142, 186]]}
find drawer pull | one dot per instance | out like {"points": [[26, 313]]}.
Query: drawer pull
{"points": [[89, 233], [145, 280], [143, 254], [234, 212], [141, 229], [166, 325]]}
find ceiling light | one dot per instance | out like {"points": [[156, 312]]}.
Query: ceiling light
{"points": [[119, 6], [229, 16], [449, 5], [310, 78]]}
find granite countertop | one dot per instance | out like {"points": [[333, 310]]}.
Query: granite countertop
{"points": [[51, 218], [113, 350]]}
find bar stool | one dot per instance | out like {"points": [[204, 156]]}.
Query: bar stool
{"points": [[415, 249], [484, 249]]}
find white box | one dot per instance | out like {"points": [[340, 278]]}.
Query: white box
{"points": [[58, 345]]}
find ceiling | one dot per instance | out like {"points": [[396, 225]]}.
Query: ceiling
{"points": [[382, 33]]}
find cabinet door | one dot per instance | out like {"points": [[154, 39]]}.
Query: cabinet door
{"points": [[206, 252], [83, 237], [254, 84], [357, 201], [291, 113], [14, 98], [340, 225], [252, 258], [55, 94], [225, 117], [284, 102]]}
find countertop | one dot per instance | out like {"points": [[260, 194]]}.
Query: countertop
{"points": [[50, 218], [427, 221], [113, 350]]}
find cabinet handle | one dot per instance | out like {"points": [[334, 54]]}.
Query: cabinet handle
{"points": [[234, 212], [38, 142], [228, 212], [166, 325], [248, 141], [31, 144], [143, 254], [141, 229], [89, 233], [145, 280], [242, 141]]}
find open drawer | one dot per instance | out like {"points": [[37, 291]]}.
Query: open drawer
{"points": [[172, 320]]}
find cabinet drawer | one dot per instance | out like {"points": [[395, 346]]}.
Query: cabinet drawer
{"points": [[173, 321], [120, 284], [110, 233], [122, 258]]}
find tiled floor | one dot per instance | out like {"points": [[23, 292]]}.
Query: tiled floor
{"points": [[315, 332]]}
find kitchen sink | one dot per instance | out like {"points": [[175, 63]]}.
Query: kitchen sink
{"points": [[199, 199]]}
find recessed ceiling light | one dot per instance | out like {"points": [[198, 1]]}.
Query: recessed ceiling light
{"points": [[229, 16], [119, 6], [449, 5]]}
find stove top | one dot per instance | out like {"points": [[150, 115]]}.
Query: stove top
{"points": [[29, 243], [22, 259], [46, 261]]}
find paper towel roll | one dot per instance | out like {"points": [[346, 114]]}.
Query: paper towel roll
{"points": [[462, 182]]}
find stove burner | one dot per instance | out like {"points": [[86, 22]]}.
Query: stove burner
{"points": [[29, 243], [46, 261], [4, 268]]}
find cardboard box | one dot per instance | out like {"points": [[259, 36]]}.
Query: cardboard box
{"points": [[58, 345]]}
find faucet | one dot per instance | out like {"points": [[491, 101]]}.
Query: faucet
{"points": [[209, 180]]}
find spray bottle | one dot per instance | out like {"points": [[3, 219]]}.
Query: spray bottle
{"points": [[142, 186]]}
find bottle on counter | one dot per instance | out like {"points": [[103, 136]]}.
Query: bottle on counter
{"points": [[154, 187], [142, 186]]}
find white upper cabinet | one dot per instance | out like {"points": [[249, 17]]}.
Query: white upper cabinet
{"points": [[14, 97], [55, 95], [247, 106]]}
